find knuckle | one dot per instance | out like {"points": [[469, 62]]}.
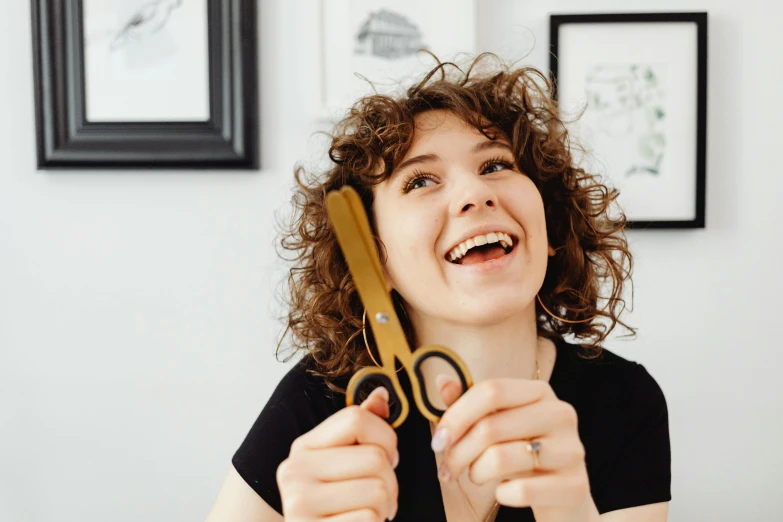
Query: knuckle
{"points": [[366, 515], [295, 499], [297, 445], [579, 451], [492, 391], [285, 471], [378, 458], [496, 457], [486, 430], [353, 418], [567, 415], [523, 492], [491, 463], [378, 493], [544, 388]]}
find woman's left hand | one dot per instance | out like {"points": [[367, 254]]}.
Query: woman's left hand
{"points": [[486, 432]]}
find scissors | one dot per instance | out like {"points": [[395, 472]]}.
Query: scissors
{"points": [[354, 235]]}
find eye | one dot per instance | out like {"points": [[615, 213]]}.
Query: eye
{"points": [[501, 163], [415, 180]]}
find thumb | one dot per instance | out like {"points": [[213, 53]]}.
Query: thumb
{"points": [[377, 402], [450, 389]]}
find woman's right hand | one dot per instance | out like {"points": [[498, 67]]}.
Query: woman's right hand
{"points": [[343, 469]]}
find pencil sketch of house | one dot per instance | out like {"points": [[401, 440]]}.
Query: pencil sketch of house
{"points": [[389, 35]]}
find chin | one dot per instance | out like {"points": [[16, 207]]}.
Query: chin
{"points": [[491, 309]]}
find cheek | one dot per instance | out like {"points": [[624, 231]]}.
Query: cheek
{"points": [[527, 209], [410, 247], [411, 238]]}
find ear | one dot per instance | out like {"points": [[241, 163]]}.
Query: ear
{"points": [[551, 251], [387, 280]]}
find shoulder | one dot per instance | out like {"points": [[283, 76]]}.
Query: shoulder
{"points": [[623, 423], [298, 404], [604, 373], [609, 392], [305, 395], [616, 399]]}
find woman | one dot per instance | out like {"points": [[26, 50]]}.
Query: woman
{"points": [[495, 245]]}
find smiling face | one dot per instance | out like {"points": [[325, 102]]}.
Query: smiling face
{"points": [[464, 229]]}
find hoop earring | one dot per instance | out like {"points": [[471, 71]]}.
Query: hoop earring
{"points": [[560, 318], [364, 334]]}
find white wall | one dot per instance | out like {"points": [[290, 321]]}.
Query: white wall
{"points": [[707, 301], [136, 328]]}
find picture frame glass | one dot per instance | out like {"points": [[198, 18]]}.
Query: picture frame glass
{"points": [[378, 40], [146, 60], [637, 83]]}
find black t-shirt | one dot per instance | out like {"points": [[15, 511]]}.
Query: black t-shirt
{"points": [[623, 425]]}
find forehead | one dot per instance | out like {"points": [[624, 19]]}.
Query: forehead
{"points": [[437, 122], [442, 125]]}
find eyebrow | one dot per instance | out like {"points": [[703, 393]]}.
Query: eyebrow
{"points": [[426, 158]]}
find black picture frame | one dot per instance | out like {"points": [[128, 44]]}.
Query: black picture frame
{"points": [[556, 21], [229, 139]]}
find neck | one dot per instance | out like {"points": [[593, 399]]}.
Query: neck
{"points": [[508, 348]]}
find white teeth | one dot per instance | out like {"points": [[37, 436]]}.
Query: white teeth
{"points": [[505, 240], [493, 237]]}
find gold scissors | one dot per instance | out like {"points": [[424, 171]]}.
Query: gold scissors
{"points": [[354, 235]]}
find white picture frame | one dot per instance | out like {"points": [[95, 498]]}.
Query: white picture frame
{"points": [[352, 46]]}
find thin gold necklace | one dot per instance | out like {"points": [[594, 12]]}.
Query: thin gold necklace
{"points": [[496, 506]]}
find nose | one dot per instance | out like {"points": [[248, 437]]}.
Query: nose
{"points": [[473, 194]]}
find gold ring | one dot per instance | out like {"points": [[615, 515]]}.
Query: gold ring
{"points": [[534, 447]]}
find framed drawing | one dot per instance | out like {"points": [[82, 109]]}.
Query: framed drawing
{"points": [[379, 40], [641, 80], [146, 83]]}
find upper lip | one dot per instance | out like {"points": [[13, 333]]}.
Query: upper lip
{"points": [[482, 230]]}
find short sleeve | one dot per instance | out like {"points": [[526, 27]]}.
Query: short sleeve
{"points": [[641, 474], [296, 406]]}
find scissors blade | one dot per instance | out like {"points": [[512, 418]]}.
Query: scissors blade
{"points": [[353, 234], [360, 217]]}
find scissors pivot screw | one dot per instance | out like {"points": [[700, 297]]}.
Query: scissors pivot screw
{"points": [[382, 317]]}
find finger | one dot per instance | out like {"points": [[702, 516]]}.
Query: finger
{"points": [[537, 420], [361, 515], [351, 425], [378, 402], [347, 463], [482, 399], [510, 459], [332, 498], [450, 389], [555, 489]]}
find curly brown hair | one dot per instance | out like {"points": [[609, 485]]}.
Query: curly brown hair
{"points": [[325, 311]]}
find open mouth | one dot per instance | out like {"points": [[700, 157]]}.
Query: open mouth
{"points": [[482, 248]]}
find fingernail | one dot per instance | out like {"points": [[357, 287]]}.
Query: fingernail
{"points": [[440, 440], [441, 379], [443, 473], [384, 393], [396, 459]]}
